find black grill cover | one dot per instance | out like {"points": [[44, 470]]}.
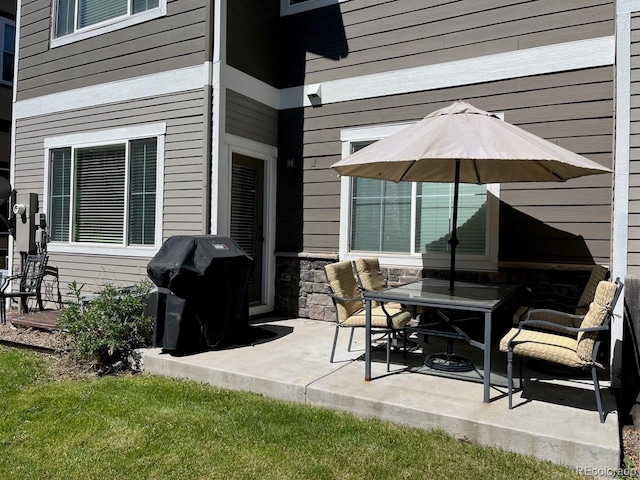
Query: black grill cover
{"points": [[202, 301]]}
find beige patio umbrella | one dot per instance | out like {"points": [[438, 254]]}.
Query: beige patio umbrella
{"points": [[461, 143]]}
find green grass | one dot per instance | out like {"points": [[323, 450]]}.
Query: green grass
{"points": [[146, 427]]}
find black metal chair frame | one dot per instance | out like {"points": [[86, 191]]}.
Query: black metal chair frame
{"points": [[605, 327], [34, 268]]}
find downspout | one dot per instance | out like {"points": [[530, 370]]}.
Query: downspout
{"points": [[208, 118], [620, 218], [219, 168]]}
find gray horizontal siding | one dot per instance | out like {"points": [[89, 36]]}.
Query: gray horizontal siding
{"points": [[250, 119], [117, 271], [361, 36], [572, 109], [633, 257], [166, 43], [184, 180], [252, 38]]}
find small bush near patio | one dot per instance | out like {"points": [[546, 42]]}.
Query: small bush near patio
{"points": [[144, 427], [107, 332]]}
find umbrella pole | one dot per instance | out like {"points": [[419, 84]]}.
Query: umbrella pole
{"points": [[453, 241]]}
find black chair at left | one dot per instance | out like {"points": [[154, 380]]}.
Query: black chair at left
{"points": [[28, 285]]}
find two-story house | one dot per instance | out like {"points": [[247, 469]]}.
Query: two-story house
{"points": [[136, 120]]}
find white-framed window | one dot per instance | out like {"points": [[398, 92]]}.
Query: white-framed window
{"points": [[75, 20], [8, 36], [409, 223], [103, 190]]}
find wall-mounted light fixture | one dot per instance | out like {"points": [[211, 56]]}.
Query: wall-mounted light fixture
{"points": [[314, 94], [291, 162]]}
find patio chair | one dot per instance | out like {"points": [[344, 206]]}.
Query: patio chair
{"points": [[369, 277], [562, 343], [29, 283], [350, 311], [560, 303]]}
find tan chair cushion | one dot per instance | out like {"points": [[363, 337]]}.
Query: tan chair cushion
{"points": [[370, 274], [343, 283], [598, 274], [595, 317], [563, 349], [399, 318], [544, 346]]}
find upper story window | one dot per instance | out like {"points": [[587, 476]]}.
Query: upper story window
{"points": [[8, 35], [79, 19]]}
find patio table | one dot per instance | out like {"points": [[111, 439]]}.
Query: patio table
{"points": [[435, 293]]}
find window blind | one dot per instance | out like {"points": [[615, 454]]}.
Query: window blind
{"points": [[143, 5], [435, 213], [381, 214], [243, 207], [65, 17], [60, 194], [142, 191], [100, 194], [8, 52], [91, 12]]}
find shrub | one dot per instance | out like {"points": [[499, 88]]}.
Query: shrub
{"points": [[107, 331]]}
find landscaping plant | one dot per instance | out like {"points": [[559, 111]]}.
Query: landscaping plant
{"points": [[107, 331]]}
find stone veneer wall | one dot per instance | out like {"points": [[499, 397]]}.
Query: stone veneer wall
{"points": [[301, 283]]}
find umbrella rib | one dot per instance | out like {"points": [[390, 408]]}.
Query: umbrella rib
{"points": [[405, 172], [545, 167], [475, 167]]}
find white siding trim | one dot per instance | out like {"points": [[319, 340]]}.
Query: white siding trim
{"points": [[102, 136], [620, 217], [164, 83], [269, 155], [251, 87], [489, 68], [520, 63], [627, 6], [218, 118]]}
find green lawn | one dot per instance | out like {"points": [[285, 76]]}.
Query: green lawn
{"points": [[155, 428]]}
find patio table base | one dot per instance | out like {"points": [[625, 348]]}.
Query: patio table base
{"points": [[449, 362]]}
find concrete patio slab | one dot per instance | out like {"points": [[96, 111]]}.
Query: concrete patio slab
{"points": [[552, 419]]}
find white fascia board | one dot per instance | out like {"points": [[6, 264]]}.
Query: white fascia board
{"points": [[164, 83], [520, 63], [488, 68], [250, 87], [106, 136], [627, 6]]}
